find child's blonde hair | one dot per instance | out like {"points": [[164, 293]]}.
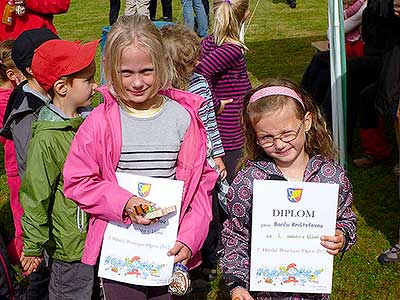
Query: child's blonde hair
{"points": [[318, 139], [183, 49], [6, 61], [139, 30], [229, 15]]}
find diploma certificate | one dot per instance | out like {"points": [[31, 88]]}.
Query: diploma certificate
{"points": [[287, 222], [137, 254]]}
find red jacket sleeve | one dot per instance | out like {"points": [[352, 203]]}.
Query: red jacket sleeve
{"points": [[48, 7]]}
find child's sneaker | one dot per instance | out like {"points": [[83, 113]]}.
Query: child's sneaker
{"points": [[391, 255]]}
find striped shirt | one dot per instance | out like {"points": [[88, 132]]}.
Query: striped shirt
{"points": [[150, 146], [225, 69], [198, 85]]}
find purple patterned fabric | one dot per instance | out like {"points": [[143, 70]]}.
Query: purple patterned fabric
{"points": [[236, 233]]}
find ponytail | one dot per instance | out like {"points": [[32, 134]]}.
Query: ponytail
{"points": [[229, 15]]}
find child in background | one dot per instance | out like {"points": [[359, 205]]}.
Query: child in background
{"points": [[145, 130], [23, 106], [183, 48], [28, 97], [10, 77], [223, 64], [286, 138], [353, 10], [36, 14], [52, 222]]}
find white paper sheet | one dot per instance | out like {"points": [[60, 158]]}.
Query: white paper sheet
{"points": [[287, 222], [137, 254]]}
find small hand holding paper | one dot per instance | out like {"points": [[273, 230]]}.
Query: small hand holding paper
{"points": [[181, 251], [241, 294], [333, 244], [133, 215]]}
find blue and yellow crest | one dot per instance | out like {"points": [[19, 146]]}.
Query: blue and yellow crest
{"points": [[144, 189], [294, 194]]}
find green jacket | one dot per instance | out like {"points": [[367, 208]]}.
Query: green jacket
{"points": [[51, 221]]}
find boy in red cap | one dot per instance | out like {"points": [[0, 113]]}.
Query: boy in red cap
{"points": [[51, 221]]}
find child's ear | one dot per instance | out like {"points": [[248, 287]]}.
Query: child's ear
{"points": [[60, 87], [13, 76], [308, 118]]}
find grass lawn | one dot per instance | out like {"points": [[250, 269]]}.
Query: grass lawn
{"points": [[279, 40]]}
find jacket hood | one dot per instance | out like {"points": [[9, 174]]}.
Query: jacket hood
{"points": [[50, 120], [268, 166]]}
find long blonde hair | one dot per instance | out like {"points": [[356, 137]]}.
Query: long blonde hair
{"points": [[318, 139], [139, 30], [229, 15], [183, 49]]}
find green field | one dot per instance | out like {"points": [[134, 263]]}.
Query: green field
{"points": [[279, 41]]}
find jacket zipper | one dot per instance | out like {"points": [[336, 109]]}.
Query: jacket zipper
{"points": [[80, 219]]}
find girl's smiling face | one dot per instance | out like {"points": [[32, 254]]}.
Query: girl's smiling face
{"points": [[138, 77], [278, 123]]}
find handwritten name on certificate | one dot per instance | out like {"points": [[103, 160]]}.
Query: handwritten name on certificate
{"points": [[137, 254], [288, 220]]}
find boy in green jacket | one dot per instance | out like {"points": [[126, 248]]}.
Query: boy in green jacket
{"points": [[51, 221]]}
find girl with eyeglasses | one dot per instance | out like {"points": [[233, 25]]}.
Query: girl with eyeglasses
{"points": [[285, 139]]}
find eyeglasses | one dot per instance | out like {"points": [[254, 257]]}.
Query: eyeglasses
{"points": [[286, 137]]}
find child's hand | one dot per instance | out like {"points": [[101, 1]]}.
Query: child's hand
{"points": [[30, 263], [222, 107], [333, 244], [240, 293], [221, 167], [181, 251], [396, 6], [137, 218]]}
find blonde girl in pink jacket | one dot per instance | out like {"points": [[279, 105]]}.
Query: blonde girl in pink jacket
{"points": [[142, 128]]}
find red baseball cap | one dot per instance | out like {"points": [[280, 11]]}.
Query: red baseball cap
{"points": [[57, 58]]}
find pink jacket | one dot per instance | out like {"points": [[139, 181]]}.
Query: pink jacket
{"points": [[10, 160], [89, 175], [13, 181]]}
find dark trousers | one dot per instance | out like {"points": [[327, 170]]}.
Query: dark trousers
{"points": [[71, 280], [212, 242], [166, 8], [114, 290], [206, 7], [115, 6], [231, 160], [39, 283]]}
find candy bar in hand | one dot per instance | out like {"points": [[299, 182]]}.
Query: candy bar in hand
{"points": [[160, 212]]}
